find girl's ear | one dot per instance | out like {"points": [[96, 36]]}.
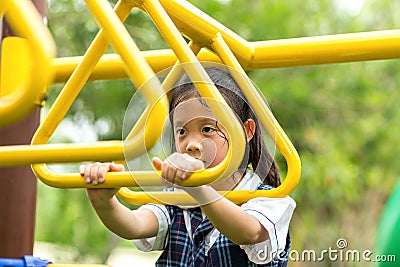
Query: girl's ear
{"points": [[249, 128]]}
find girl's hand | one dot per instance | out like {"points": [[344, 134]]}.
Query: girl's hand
{"points": [[177, 167], [95, 174]]}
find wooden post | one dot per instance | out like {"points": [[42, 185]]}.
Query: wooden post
{"points": [[18, 184]]}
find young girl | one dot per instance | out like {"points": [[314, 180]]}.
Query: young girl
{"points": [[218, 232]]}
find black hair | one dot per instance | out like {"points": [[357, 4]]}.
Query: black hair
{"points": [[256, 151]]}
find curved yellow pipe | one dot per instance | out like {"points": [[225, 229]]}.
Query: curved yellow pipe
{"points": [[207, 90], [269, 122], [147, 83], [291, 52], [38, 49], [147, 89], [265, 116]]}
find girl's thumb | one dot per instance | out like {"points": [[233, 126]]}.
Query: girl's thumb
{"points": [[157, 163], [116, 167]]}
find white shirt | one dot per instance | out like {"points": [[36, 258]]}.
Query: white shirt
{"points": [[274, 214]]}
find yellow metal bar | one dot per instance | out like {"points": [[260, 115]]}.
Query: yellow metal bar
{"points": [[150, 179], [130, 148], [16, 61], [269, 122], [55, 153], [138, 144], [74, 84], [39, 51], [201, 28], [137, 68], [124, 179], [111, 66], [71, 152], [182, 198], [131, 179], [169, 31], [173, 75], [329, 49], [25, 155], [207, 90], [266, 117], [52, 179]]}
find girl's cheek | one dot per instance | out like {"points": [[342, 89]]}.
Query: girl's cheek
{"points": [[209, 153], [221, 152], [180, 146]]}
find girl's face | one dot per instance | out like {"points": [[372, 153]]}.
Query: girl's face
{"points": [[197, 134]]}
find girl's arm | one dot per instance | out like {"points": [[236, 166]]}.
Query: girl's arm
{"points": [[233, 222], [115, 216]]}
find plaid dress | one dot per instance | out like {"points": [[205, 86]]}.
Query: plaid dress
{"points": [[182, 250]]}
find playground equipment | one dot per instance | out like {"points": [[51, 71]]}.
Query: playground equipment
{"points": [[143, 76], [210, 41], [25, 62], [388, 234]]}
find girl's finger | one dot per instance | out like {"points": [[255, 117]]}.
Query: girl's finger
{"points": [[82, 169], [186, 175], [179, 176], [101, 172], [86, 173], [164, 170], [94, 173], [157, 163], [171, 173], [177, 181], [116, 167]]}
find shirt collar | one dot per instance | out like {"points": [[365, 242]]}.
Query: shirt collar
{"points": [[250, 181]]}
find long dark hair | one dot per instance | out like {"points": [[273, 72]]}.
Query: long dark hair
{"points": [[256, 151]]}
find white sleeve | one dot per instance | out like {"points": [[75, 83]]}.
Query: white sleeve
{"points": [[274, 214], [156, 242]]}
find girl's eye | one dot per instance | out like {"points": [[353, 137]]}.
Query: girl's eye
{"points": [[180, 131], [208, 129]]}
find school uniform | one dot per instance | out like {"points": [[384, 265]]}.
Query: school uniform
{"points": [[188, 238]]}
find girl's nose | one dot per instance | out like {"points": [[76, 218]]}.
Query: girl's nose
{"points": [[194, 148]]}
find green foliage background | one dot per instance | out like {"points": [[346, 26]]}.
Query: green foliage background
{"points": [[342, 118]]}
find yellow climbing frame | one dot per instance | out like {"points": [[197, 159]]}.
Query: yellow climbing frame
{"points": [[211, 42], [25, 61]]}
